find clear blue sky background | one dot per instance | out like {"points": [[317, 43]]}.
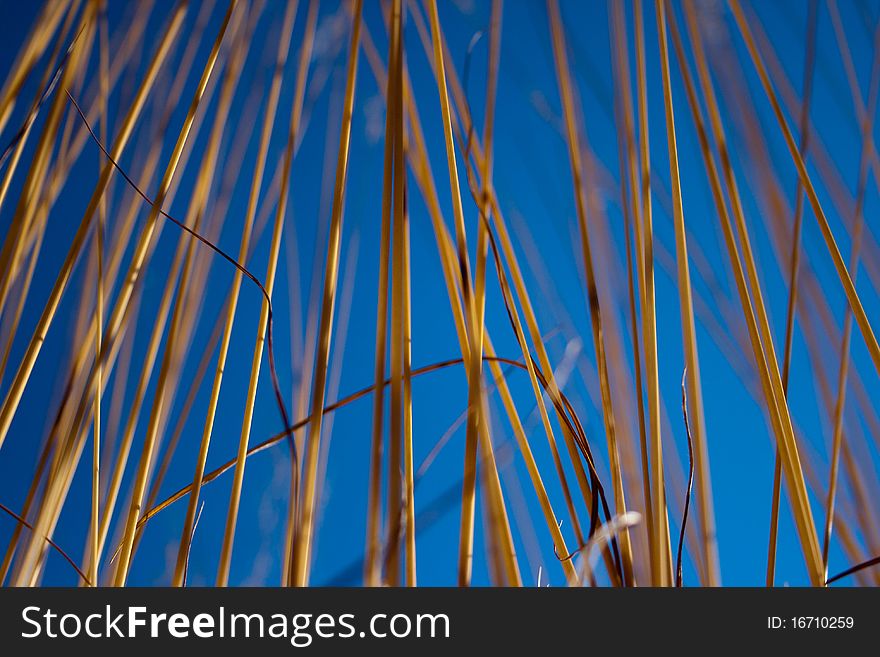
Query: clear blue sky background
{"points": [[533, 181]]}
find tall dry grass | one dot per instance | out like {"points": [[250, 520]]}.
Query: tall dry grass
{"points": [[88, 80]]}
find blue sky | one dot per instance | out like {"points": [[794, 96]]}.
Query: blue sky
{"points": [[533, 183]]}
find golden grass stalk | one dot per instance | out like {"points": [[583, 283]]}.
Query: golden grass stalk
{"points": [[408, 471], [498, 513], [372, 551], [662, 559], [466, 531], [303, 538], [498, 552], [400, 452], [692, 360], [630, 200], [794, 265], [99, 311], [866, 119], [764, 353], [405, 330], [397, 497]]}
